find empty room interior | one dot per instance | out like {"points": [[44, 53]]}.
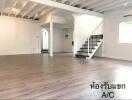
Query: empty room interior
{"points": [[65, 49]]}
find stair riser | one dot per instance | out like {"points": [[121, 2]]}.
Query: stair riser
{"points": [[90, 46], [83, 53], [97, 37], [94, 43], [86, 50], [80, 56]]}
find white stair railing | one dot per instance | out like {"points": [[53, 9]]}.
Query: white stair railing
{"points": [[97, 31]]}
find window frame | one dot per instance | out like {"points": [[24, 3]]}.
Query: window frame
{"points": [[124, 20]]}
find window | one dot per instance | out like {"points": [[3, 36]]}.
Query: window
{"points": [[125, 32]]}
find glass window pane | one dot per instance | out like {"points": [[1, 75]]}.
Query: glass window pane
{"points": [[125, 32]]}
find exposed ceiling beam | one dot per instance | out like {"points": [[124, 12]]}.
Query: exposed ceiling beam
{"points": [[101, 4], [23, 6], [63, 1], [46, 11], [116, 6], [67, 7], [95, 3], [3, 6], [29, 10], [128, 11], [74, 2], [114, 3], [14, 4], [88, 3], [79, 2], [36, 11]]}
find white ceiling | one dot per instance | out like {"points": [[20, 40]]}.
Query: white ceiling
{"points": [[35, 11], [24, 9], [98, 5]]}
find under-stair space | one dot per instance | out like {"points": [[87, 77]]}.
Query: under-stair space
{"points": [[90, 46], [45, 51]]}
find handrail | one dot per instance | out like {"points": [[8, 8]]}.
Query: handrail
{"points": [[96, 28]]}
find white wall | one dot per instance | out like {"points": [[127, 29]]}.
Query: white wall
{"points": [[58, 19], [112, 48], [84, 25], [60, 27], [67, 42], [57, 40], [61, 44], [19, 36], [46, 19]]}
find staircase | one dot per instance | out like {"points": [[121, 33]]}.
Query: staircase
{"points": [[44, 51], [90, 46]]}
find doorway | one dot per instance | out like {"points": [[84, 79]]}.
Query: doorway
{"points": [[45, 39]]}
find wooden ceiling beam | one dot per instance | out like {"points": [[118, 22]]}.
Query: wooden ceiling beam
{"points": [[45, 12], [30, 9], [63, 1], [100, 4], [116, 6], [23, 6], [88, 3], [106, 2], [36, 11], [74, 2], [3, 6], [67, 7], [112, 4], [14, 4]]}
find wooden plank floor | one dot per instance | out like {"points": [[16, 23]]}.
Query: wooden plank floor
{"points": [[60, 77]]}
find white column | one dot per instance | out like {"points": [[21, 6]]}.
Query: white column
{"points": [[74, 35], [51, 37]]}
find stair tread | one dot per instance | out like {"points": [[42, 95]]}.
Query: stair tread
{"points": [[87, 48], [84, 51], [90, 44], [81, 55], [94, 41]]}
